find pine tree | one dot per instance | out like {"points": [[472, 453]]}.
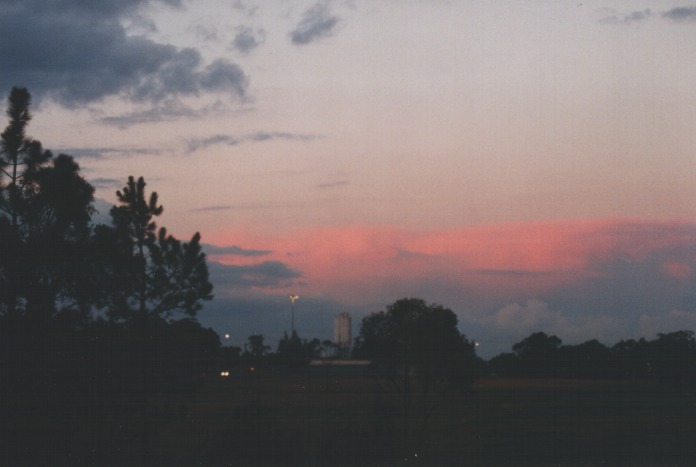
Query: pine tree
{"points": [[149, 272], [45, 209]]}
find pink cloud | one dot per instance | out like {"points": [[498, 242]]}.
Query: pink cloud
{"points": [[677, 270], [359, 263]]}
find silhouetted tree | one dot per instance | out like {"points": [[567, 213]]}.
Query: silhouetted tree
{"points": [[673, 357], [591, 359], [631, 359], [296, 352], [538, 354], [229, 357], [256, 347], [412, 336], [505, 364], [148, 273], [417, 342], [291, 352], [45, 209]]}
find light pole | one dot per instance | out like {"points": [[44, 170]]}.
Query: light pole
{"points": [[292, 298]]}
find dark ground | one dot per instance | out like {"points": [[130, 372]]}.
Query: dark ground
{"points": [[277, 419]]}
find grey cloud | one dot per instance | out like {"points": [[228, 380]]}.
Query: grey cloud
{"points": [[633, 17], [102, 214], [258, 137], [248, 8], [266, 136], [163, 111], [222, 75], [205, 32], [248, 39], [115, 183], [108, 152], [78, 52], [245, 207], [213, 208], [681, 14], [233, 250], [202, 143], [316, 23], [138, 25], [265, 274]]}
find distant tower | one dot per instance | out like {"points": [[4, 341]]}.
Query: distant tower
{"points": [[343, 335]]}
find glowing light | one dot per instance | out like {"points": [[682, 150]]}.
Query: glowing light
{"points": [[293, 298], [227, 336], [224, 374]]}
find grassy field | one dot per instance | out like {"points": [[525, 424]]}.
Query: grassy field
{"points": [[274, 419]]}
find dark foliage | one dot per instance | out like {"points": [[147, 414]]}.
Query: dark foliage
{"points": [[74, 389], [670, 358], [45, 209], [147, 271], [414, 336], [294, 352]]}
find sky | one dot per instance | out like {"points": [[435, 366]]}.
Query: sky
{"points": [[529, 164]]}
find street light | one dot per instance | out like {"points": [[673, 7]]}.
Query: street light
{"points": [[293, 299]]}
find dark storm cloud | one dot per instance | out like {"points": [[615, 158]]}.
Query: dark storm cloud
{"points": [[248, 39], [265, 274], [316, 23], [233, 250], [681, 14], [78, 52]]}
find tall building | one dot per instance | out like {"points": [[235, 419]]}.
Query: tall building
{"points": [[343, 335]]}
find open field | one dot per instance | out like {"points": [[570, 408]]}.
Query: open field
{"points": [[273, 419]]}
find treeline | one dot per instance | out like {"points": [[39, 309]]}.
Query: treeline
{"points": [[292, 352], [669, 358]]}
